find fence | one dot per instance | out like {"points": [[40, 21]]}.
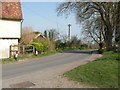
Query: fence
{"points": [[23, 49]]}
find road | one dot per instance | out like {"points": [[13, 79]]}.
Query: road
{"points": [[18, 69]]}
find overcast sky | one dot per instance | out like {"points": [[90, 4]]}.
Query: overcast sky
{"points": [[42, 16]]}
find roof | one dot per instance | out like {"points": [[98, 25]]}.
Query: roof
{"points": [[29, 37], [39, 35], [10, 10]]}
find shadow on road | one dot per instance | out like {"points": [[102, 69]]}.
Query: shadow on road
{"points": [[81, 51]]}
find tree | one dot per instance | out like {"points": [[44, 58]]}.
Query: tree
{"points": [[64, 38], [27, 35], [75, 42], [94, 28], [53, 34], [117, 31], [45, 33], [87, 10]]}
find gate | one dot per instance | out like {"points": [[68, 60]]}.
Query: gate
{"points": [[22, 49]]}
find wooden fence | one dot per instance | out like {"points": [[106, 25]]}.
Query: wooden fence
{"points": [[22, 49]]}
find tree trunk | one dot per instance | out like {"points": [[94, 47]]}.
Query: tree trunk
{"points": [[108, 32], [117, 31], [108, 39]]}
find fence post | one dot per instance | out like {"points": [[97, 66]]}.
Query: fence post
{"points": [[10, 52], [33, 50], [23, 49], [19, 48]]}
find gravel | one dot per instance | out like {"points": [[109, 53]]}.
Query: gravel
{"points": [[60, 82]]}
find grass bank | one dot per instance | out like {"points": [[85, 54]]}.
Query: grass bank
{"points": [[102, 72]]}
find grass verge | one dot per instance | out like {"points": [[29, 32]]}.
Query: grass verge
{"points": [[11, 60], [66, 49], [22, 57], [102, 72]]}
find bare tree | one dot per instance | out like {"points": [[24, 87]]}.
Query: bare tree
{"points": [[94, 28], [75, 42], [87, 10], [53, 34], [117, 25], [27, 35], [64, 38]]}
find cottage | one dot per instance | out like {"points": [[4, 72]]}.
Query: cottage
{"points": [[10, 26], [29, 37]]}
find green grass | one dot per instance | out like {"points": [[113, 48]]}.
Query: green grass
{"points": [[66, 49], [102, 72], [11, 60]]}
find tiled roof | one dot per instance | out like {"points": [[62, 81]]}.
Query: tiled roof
{"points": [[29, 37], [10, 10]]}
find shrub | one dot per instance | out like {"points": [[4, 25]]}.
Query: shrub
{"points": [[58, 44], [47, 44], [51, 45], [100, 51], [44, 43], [38, 46]]}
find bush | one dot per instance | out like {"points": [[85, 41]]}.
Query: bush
{"points": [[100, 51], [58, 44], [47, 44], [44, 43], [73, 43], [38, 46], [51, 45]]}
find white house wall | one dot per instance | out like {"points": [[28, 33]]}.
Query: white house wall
{"points": [[10, 29], [5, 47]]}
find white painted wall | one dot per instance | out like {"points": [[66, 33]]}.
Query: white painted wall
{"points": [[5, 47], [10, 29]]}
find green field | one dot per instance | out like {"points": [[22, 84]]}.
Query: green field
{"points": [[102, 72]]}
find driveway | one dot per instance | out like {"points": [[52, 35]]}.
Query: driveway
{"points": [[44, 68]]}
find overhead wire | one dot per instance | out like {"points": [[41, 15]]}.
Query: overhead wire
{"points": [[39, 14]]}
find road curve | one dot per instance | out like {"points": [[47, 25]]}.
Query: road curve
{"points": [[29, 66]]}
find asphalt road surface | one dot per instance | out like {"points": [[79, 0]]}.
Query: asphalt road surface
{"points": [[12, 70], [39, 64]]}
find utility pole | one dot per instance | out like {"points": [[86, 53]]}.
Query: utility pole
{"points": [[69, 25]]}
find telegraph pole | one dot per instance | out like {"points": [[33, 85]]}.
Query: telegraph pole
{"points": [[69, 25]]}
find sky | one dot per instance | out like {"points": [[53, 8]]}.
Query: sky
{"points": [[43, 16]]}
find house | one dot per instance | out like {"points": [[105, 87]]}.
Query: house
{"points": [[29, 37], [10, 26]]}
